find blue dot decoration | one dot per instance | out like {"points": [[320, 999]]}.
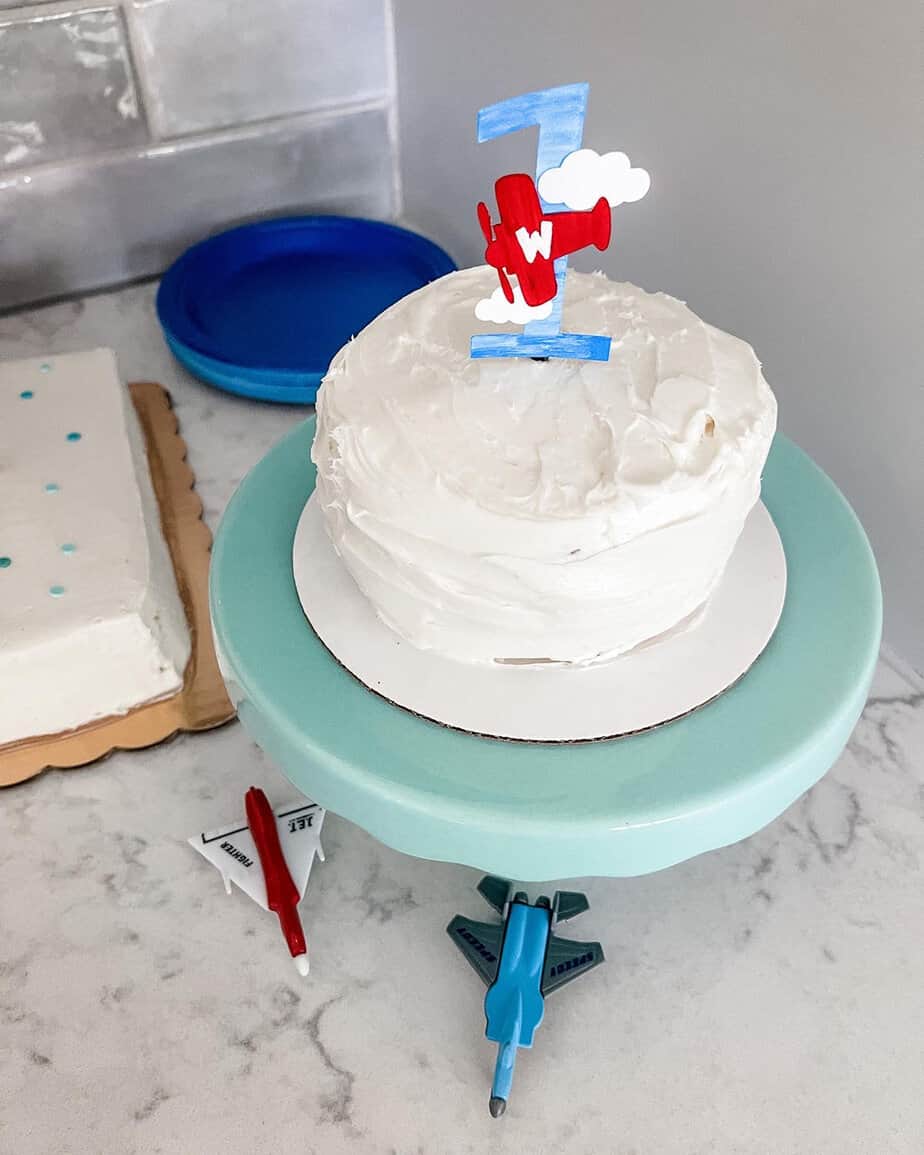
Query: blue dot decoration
{"points": [[74, 436], [68, 547], [52, 487], [56, 591], [27, 395], [45, 367], [5, 562]]}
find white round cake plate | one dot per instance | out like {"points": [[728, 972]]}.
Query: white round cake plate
{"points": [[654, 683]]}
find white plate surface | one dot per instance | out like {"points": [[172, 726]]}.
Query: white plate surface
{"points": [[652, 684]]}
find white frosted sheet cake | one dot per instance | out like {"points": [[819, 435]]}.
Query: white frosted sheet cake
{"points": [[91, 622], [526, 512]]}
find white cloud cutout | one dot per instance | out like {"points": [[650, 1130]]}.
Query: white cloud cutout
{"points": [[584, 176], [498, 309]]}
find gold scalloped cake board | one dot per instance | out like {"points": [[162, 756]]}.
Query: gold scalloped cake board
{"points": [[202, 702]]}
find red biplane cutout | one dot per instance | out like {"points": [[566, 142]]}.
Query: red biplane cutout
{"points": [[526, 241]]}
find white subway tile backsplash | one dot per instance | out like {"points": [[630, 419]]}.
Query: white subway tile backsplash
{"points": [[206, 64], [131, 128], [78, 225], [66, 85]]}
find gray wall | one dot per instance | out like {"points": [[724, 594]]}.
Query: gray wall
{"points": [[129, 130], [782, 140]]}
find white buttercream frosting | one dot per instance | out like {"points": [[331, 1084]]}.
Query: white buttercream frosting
{"points": [[91, 621], [514, 510]]}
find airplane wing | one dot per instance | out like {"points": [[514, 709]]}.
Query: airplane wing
{"points": [[480, 942], [566, 960], [233, 852]]}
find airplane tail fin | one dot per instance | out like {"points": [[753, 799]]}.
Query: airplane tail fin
{"points": [[495, 891], [568, 904]]}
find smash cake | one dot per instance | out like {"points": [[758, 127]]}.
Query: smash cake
{"points": [[91, 621], [527, 511]]}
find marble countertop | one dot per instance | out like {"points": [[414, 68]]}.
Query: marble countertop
{"points": [[765, 998]]}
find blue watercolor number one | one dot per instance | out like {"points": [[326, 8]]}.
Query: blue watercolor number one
{"points": [[559, 113]]}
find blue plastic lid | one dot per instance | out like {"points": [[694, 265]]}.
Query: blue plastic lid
{"points": [[261, 309]]}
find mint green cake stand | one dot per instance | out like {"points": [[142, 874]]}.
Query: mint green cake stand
{"points": [[535, 811]]}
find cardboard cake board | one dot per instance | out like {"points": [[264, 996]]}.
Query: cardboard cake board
{"points": [[202, 703], [657, 682]]}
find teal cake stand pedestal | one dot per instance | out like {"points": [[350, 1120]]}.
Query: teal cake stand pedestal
{"points": [[534, 811]]}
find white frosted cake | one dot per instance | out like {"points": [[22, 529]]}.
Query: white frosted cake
{"points": [[520, 511], [91, 623]]}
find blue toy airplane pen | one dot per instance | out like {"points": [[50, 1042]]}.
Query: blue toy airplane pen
{"points": [[522, 961]]}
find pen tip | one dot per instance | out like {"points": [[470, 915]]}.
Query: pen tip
{"points": [[301, 964], [497, 1106]]}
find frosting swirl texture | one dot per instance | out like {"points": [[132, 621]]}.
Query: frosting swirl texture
{"points": [[514, 510]]}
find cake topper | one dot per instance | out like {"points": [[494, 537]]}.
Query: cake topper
{"points": [[270, 858], [520, 960], [541, 223]]}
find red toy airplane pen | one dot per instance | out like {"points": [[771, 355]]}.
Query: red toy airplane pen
{"points": [[282, 895], [526, 241], [253, 858]]}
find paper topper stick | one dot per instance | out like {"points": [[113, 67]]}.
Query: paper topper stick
{"points": [[535, 234]]}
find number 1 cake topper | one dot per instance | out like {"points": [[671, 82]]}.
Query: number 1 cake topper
{"points": [[567, 208]]}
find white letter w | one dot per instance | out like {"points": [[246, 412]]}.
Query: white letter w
{"points": [[533, 244]]}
